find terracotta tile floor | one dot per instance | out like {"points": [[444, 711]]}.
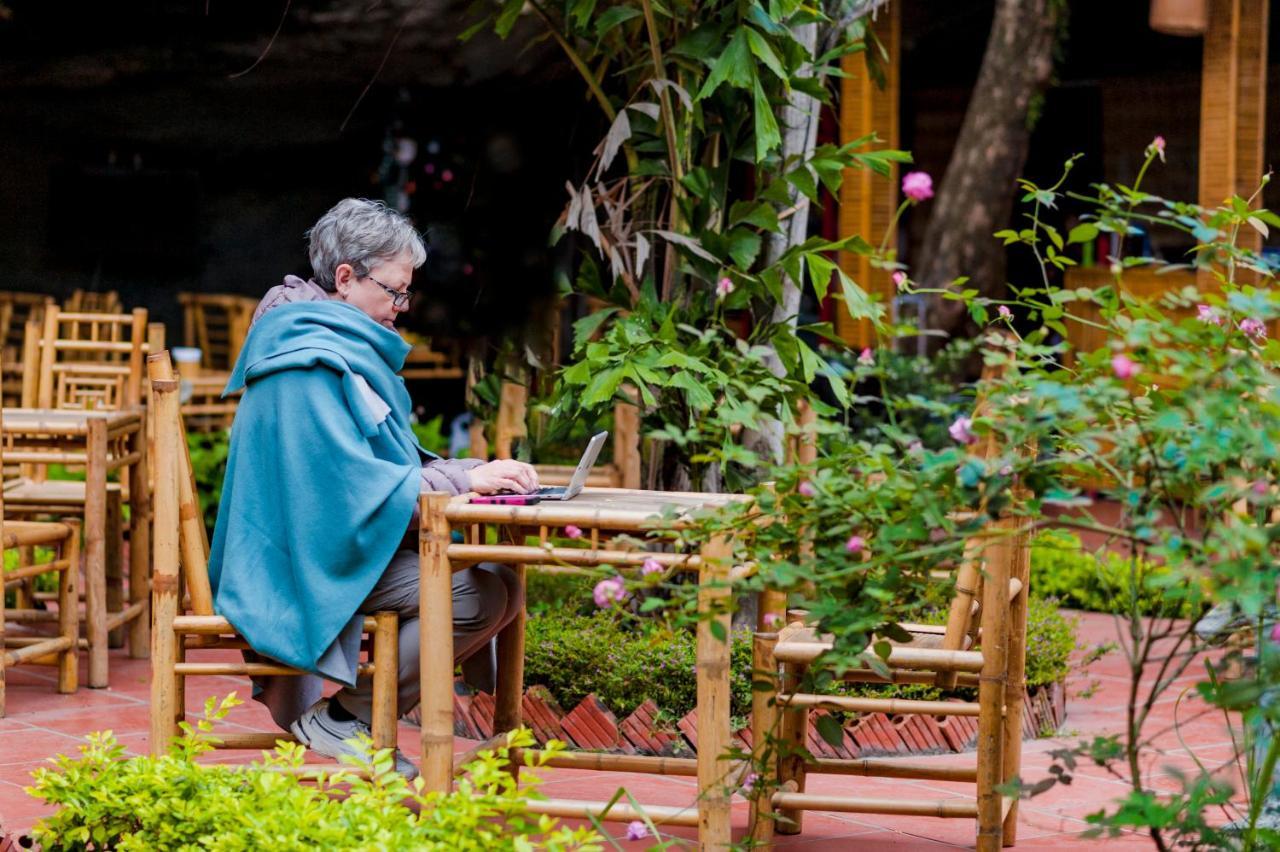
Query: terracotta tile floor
{"points": [[41, 723]]}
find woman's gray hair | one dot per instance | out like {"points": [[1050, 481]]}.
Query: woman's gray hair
{"points": [[363, 233]]}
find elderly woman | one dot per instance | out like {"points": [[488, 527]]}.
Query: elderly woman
{"points": [[322, 485]]}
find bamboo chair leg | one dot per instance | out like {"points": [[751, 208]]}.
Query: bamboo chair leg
{"points": [[140, 552], [510, 676], [95, 579], [24, 596], [991, 688], [165, 586], [713, 696], [69, 612], [764, 733], [2, 620], [1016, 688], [114, 569], [792, 750], [436, 642], [386, 676]]}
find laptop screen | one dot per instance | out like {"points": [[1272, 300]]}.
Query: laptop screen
{"points": [[587, 461]]}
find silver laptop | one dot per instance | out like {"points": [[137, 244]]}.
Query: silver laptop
{"points": [[588, 460]]}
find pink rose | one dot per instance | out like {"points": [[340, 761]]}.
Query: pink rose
{"points": [[806, 488], [572, 532], [1124, 367], [854, 544], [1004, 312], [866, 358], [899, 279], [651, 566], [609, 591], [1261, 487], [1157, 145], [771, 619], [917, 186], [723, 288], [960, 431], [1208, 314]]}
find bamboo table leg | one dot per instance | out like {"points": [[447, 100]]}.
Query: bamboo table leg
{"points": [[95, 563], [713, 697], [435, 623], [510, 679], [140, 549], [114, 571]]}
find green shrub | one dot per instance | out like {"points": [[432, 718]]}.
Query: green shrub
{"points": [[106, 801], [1062, 568], [1051, 637], [624, 663], [431, 435], [559, 593], [209, 466]]}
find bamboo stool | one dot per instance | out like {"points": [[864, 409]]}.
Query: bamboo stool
{"points": [[989, 610], [61, 649], [187, 625], [600, 512], [622, 472]]}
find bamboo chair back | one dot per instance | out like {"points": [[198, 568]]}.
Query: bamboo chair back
{"points": [[91, 360], [184, 623], [16, 310], [622, 472], [432, 360], [90, 302], [216, 323]]}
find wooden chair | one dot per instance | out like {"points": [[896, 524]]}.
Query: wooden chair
{"points": [[425, 362], [16, 310], [622, 472], [186, 626], [91, 302], [61, 649], [982, 645], [216, 323], [94, 361]]}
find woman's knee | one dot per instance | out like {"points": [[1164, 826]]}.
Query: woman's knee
{"points": [[479, 600], [512, 585]]}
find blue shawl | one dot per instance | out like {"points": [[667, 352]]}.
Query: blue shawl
{"points": [[317, 494]]}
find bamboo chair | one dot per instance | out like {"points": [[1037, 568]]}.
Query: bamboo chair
{"points": [[94, 361], [983, 645], [187, 625], [16, 310], [216, 323], [425, 362], [62, 648], [622, 472], [90, 302]]}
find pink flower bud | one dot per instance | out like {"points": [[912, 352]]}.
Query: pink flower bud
{"points": [[1157, 145], [806, 488], [609, 591], [651, 566], [749, 783], [854, 544], [866, 358], [899, 279], [1253, 327], [572, 532], [771, 619], [1124, 367], [1208, 314], [723, 288], [1275, 633], [960, 431], [637, 830], [917, 186], [1004, 312], [1261, 487]]}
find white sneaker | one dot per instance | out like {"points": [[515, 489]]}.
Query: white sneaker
{"points": [[319, 731]]}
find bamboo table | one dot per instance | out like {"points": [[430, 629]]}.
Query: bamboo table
{"points": [[597, 512], [102, 442]]}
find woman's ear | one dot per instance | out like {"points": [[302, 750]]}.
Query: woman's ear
{"points": [[344, 278]]}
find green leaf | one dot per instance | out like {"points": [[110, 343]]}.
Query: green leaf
{"points": [[507, 18], [733, 67], [603, 386], [1086, 232], [758, 213], [614, 17], [856, 299], [764, 52], [820, 271], [696, 393], [767, 136], [744, 246], [584, 328], [829, 729]]}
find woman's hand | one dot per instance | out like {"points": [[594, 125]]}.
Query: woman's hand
{"points": [[503, 475]]}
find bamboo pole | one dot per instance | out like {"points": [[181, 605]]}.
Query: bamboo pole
{"points": [[95, 529], [888, 768], [164, 584], [140, 545], [793, 754], [618, 812], [252, 739], [949, 808], [436, 642], [890, 706], [764, 734], [386, 672], [933, 659], [114, 574], [605, 762], [1015, 691], [510, 674], [52, 645], [69, 610], [713, 695], [183, 669], [472, 554], [991, 687]]}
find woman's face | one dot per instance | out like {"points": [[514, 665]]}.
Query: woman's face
{"points": [[376, 293]]}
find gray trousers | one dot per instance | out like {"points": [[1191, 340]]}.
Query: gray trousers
{"points": [[486, 598]]}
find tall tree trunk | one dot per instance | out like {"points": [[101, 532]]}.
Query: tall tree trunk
{"points": [[976, 194]]}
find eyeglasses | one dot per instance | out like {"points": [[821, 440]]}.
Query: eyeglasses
{"points": [[398, 298]]}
